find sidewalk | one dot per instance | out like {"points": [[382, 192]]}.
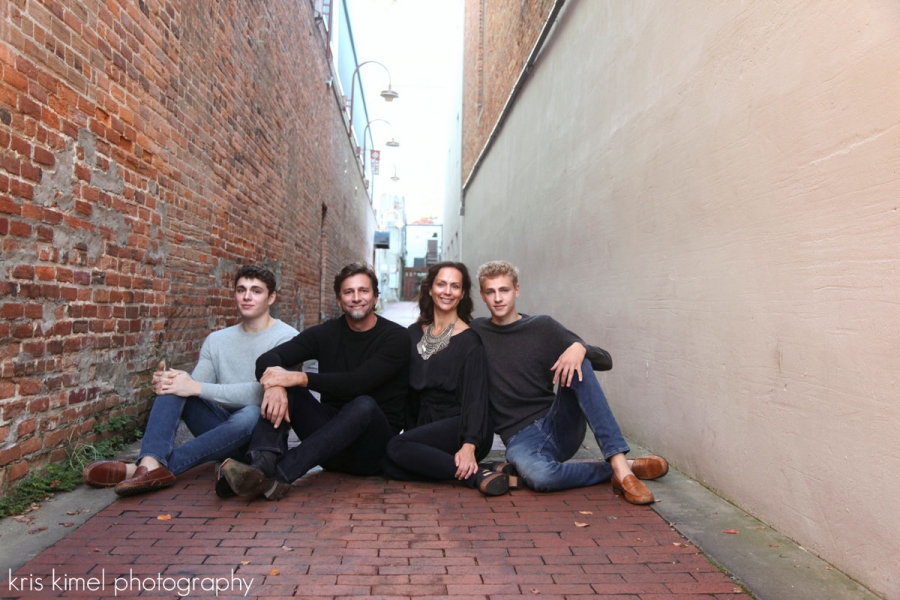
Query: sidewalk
{"points": [[343, 536], [337, 535]]}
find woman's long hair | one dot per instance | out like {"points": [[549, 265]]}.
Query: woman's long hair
{"points": [[426, 304]]}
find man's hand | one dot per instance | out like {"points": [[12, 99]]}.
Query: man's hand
{"points": [[278, 377], [569, 363], [466, 464], [175, 382], [274, 406], [158, 378]]}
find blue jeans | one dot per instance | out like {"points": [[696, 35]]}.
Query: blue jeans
{"points": [[540, 451], [219, 432]]}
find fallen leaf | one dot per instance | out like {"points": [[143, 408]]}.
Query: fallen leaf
{"points": [[21, 518], [657, 500], [34, 530], [577, 524], [274, 572], [71, 512], [286, 548], [773, 545], [730, 531], [677, 544], [737, 590], [96, 550], [796, 566], [535, 591], [585, 512], [245, 562], [761, 527], [639, 539], [829, 568], [67, 524], [164, 518]]}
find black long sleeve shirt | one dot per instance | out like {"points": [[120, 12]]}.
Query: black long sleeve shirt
{"points": [[453, 382], [521, 355], [351, 364]]}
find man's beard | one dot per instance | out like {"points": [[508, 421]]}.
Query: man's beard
{"points": [[357, 314]]}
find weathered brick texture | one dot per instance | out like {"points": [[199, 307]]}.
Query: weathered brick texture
{"points": [[499, 36], [148, 148]]}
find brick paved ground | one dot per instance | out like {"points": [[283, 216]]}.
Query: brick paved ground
{"points": [[342, 536]]}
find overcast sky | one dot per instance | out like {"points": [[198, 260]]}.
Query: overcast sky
{"points": [[420, 42]]}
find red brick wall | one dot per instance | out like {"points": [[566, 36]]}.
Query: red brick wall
{"points": [[499, 37], [147, 148]]}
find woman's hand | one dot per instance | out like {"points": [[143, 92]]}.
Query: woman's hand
{"points": [[466, 465]]}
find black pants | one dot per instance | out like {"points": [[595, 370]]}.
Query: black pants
{"points": [[426, 453], [350, 440]]}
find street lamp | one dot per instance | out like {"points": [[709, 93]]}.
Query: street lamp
{"points": [[393, 143], [388, 94]]}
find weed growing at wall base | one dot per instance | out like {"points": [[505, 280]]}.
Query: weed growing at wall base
{"points": [[66, 476]]}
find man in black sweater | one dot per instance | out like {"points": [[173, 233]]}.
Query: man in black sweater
{"points": [[542, 429], [363, 378]]}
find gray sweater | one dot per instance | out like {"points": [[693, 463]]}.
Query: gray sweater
{"points": [[227, 365], [520, 356]]}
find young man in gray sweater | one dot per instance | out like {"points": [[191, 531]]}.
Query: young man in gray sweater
{"points": [[218, 401], [542, 430]]}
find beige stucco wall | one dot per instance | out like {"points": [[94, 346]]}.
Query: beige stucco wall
{"points": [[711, 192]]}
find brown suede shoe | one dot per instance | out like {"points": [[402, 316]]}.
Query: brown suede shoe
{"points": [[145, 480], [650, 467], [104, 473], [632, 490], [244, 479]]}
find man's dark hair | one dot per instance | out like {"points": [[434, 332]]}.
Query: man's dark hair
{"points": [[426, 303], [356, 268], [257, 272]]}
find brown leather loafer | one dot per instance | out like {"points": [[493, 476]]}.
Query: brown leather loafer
{"points": [[145, 480], [105, 473], [632, 490], [650, 467]]}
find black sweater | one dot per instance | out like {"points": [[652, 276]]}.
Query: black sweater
{"points": [[369, 363], [453, 382], [521, 355]]}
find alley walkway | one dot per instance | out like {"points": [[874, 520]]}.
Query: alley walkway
{"points": [[345, 536]]}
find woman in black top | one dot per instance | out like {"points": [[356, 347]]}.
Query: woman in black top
{"points": [[448, 386]]}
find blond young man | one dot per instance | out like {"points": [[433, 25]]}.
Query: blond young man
{"points": [[542, 430]]}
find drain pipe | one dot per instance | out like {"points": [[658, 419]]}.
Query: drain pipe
{"points": [[526, 71]]}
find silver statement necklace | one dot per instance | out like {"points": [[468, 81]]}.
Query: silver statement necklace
{"points": [[431, 344]]}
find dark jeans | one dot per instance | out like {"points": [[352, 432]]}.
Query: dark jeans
{"points": [[426, 453], [348, 440]]}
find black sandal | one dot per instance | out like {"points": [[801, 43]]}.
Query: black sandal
{"points": [[507, 468], [490, 483]]}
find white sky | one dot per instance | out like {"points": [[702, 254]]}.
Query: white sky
{"points": [[420, 43]]}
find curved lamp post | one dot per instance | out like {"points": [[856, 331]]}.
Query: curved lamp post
{"points": [[390, 144], [388, 94]]}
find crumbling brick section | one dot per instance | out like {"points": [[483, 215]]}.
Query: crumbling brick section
{"points": [[499, 36], [147, 149]]}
